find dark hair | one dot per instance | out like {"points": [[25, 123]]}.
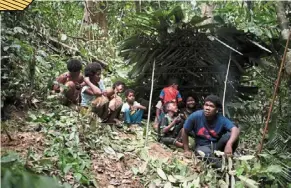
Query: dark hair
{"points": [[118, 83], [166, 106], [91, 69], [74, 65], [128, 91], [214, 99], [173, 81]]}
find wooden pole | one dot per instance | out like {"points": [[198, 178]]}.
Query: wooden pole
{"points": [[225, 85], [274, 94], [150, 104]]}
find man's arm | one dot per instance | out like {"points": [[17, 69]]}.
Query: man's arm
{"points": [[94, 89], [185, 140], [188, 126], [234, 133]]}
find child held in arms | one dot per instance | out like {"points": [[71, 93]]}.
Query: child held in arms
{"points": [[72, 80], [132, 110], [171, 125]]}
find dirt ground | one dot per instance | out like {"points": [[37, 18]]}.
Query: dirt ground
{"points": [[21, 142]]}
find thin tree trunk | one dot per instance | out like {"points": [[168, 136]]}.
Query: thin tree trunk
{"points": [[94, 13]]}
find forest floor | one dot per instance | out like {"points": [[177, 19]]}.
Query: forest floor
{"points": [[57, 141]]}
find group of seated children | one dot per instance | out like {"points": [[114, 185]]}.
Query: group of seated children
{"points": [[90, 92]]}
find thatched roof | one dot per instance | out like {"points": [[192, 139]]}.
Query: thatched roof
{"points": [[195, 54]]}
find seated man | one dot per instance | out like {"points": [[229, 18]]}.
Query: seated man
{"points": [[170, 126], [72, 80], [212, 130], [115, 102], [132, 110]]}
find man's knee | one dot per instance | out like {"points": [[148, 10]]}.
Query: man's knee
{"points": [[168, 140], [203, 150]]}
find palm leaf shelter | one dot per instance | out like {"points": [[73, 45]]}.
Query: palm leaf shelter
{"points": [[196, 54]]}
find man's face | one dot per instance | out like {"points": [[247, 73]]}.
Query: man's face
{"points": [[130, 97], [97, 76], [210, 109]]}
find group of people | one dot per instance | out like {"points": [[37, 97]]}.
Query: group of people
{"points": [[211, 130], [89, 91]]}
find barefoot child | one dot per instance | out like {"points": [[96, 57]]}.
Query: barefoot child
{"points": [[132, 110], [72, 80]]}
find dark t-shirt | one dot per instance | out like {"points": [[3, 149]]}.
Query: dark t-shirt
{"points": [[205, 132]]}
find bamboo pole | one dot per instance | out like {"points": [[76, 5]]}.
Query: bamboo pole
{"points": [[150, 104], [274, 94], [225, 85]]}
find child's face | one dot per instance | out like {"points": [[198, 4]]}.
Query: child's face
{"points": [[130, 97], [173, 107], [96, 77], [120, 88], [190, 102]]}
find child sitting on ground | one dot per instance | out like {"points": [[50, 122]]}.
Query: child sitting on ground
{"points": [[132, 110], [170, 126], [72, 80]]}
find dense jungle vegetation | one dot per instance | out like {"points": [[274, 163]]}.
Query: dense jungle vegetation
{"points": [[46, 144]]}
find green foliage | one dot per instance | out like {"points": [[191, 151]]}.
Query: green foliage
{"points": [[14, 174]]}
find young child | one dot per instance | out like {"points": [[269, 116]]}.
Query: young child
{"points": [[132, 110], [171, 125], [171, 93], [72, 80]]}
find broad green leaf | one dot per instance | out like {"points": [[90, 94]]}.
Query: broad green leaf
{"points": [[248, 182], [78, 176], [161, 173], [109, 150], [274, 169], [246, 157], [67, 168], [9, 158], [143, 167], [168, 185], [172, 179]]}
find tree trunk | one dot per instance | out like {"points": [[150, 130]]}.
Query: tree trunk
{"points": [[284, 25], [207, 11], [94, 13]]}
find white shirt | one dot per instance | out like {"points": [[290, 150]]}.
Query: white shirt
{"points": [[126, 106]]}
